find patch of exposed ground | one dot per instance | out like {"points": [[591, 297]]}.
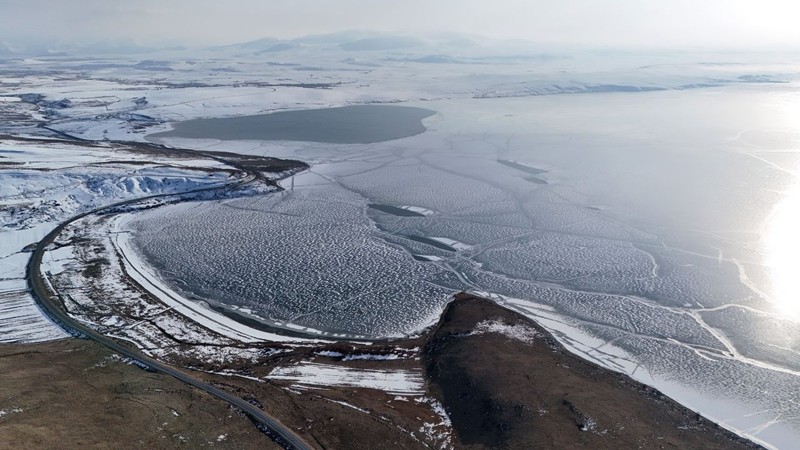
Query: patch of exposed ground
{"points": [[334, 416], [506, 383], [76, 394]]}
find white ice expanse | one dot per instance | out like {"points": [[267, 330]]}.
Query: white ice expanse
{"points": [[639, 269], [320, 249], [195, 311], [44, 183]]}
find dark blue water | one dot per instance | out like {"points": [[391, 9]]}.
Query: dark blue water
{"points": [[360, 124]]}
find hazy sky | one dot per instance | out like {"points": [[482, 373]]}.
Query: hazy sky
{"points": [[659, 23]]}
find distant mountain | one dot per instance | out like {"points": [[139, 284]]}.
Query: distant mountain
{"points": [[356, 41], [353, 40], [5, 50], [280, 47], [424, 48], [359, 47], [65, 48], [383, 43], [256, 45], [337, 38]]}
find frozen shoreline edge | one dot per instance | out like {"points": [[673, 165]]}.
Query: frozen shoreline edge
{"points": [[571, 337], [673, 395]]}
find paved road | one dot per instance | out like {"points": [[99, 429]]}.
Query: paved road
{"points": [[50, 303]]}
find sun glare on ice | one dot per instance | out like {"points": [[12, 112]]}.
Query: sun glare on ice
{"points": [[783, 253]]}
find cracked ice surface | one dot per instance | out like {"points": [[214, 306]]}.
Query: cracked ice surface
{"points": [[634, 267], [306, 257], [653, 264]]}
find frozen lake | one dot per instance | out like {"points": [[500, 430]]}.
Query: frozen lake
{"points": [[659, 224], [359, 124]]}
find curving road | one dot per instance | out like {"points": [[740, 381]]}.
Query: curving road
{"points": [[50, 304]]}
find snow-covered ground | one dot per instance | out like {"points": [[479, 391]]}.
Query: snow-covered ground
{"points": [[102, 282], [20, 318], [43, 183], [311, 374], [518, 332]]}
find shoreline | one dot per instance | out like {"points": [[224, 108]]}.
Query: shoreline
{"points": [[574, 344], [323, 125], [118, 235], [251, 325]]}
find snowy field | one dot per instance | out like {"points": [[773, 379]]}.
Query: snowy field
{"points": [[44, 183], [627, 202], [397, 382]]}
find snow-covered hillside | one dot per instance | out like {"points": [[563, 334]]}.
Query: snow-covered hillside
{"points": [[43, 183]]}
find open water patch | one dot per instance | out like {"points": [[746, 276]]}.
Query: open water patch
{"points": [[357, 124]]}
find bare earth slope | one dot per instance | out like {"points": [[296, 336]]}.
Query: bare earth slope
{"points": [[503, 392], [76, 394], [504, 382]]}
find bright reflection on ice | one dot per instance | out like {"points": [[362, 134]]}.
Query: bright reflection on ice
{"points": [[783, 253]]}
